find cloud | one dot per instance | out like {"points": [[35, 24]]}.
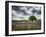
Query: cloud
{"points": [[23, 12]]}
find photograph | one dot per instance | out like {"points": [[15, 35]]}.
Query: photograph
{"points": [[24, 18]]}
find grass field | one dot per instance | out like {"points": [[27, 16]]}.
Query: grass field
{"points": [[17, 26]]}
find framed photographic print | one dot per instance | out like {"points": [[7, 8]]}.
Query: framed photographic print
{"points": [[24, 18]]}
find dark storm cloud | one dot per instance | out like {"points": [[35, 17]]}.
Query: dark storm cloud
{"points": [[39, 12], [28, 7], [36, 11], [25, 11], [17, 8]]}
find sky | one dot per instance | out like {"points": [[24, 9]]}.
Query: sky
{"points": [[24, 12]]}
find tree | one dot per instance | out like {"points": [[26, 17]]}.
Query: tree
{"points": [[32, 18]]}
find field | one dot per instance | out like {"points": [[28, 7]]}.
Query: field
{"points": [[21, 25]]}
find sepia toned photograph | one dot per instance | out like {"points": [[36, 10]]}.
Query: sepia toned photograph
{"points": [[24, 18]]}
